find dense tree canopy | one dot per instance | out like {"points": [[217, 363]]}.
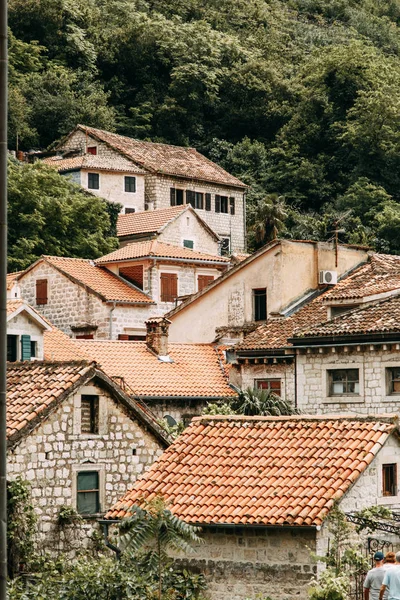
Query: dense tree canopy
{"points": [[299, 98]]}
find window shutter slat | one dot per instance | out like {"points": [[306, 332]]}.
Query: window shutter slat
{"points": [[169, 287], [232, 205], [217, 203], [25, 347], [41, 291], [208, 201], [173, 196]]}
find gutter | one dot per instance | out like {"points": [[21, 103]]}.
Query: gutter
{"points": [[342, 340], [167, 259], [159, 398]]}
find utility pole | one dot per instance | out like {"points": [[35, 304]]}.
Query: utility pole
{"points": [[3, 298]]}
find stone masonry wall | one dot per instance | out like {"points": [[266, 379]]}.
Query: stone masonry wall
{"points": [[187, 227], [313, 386], [225, 225], [240, 562], [52, 455], [246, 375]]}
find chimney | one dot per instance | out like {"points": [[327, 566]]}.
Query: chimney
{"points": [[157, 336]]}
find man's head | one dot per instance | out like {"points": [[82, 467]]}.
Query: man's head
{"points": [[398, 558], [378, 557], [390, 558]]}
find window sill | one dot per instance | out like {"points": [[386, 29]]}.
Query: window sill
{"points": [[344, 400], [392, 398], [385, 500], [92, 517]]}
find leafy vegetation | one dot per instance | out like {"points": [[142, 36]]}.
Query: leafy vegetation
{"points": [[48, 214], [252, 402], [300, 99]]}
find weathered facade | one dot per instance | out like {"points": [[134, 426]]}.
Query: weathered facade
{"points": [[60, 448], [25, 328]]}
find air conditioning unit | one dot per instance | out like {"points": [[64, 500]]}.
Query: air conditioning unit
{"points": [[328, 277]]}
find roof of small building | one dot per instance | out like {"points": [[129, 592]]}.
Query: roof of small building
{"points": [[165, 159], [261, 470], [18, 305], [196, 370], [94, 162], [381, 317], [58, 346], [35, 389], [380, 275], [108, 286], [11, 277], [150, 248], [14, 305]]}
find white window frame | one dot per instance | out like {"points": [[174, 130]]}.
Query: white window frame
{"points": [[387, 456], [100, 468], [136, 186]]}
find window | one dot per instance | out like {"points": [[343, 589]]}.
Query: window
{"points": [[171, 422], [92, 150], [176, 197], [203, 281], [89, 414], [188, 244], [343, 381], [88, 492], [208, 202], [271, 385], [191, 198], [130, 184], [41, 291], [232, 205], [25, 347], [336, 311], [393, 379], [129, 210], [260, 304], [134, 337], [169, 287], [389, 480], [199, 200], [84, 336], [12, 348], [221, 204], [93, 181], [225, 246], [33, 349]]}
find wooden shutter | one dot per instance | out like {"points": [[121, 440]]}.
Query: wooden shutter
{"points": [[217, 203], [25, 347], [208, 201], [169, 287], [92, 150], [172, 196], [41, 291], [123, 336], [190, 198], [203, 281], [232, 205]]}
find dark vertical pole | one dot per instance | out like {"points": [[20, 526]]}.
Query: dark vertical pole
{"points": [[3, 297]]}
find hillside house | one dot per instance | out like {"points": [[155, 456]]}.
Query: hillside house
{"points": [[79, 440], [281, 274], [175, 380], [173, 176], [25, 329], [270, 359], [178, 225], [261, 489]]}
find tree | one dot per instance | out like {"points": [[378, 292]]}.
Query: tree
{"points": [[151, 531], [48, 214], [268, 219], [253, 402]]}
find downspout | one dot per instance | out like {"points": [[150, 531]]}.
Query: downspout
{"points": [[295, 380], [244, 222], [111, 324], [105, 525], [150, 273]]}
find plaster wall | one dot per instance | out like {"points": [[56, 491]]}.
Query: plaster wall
{"points": [[112, 188], [51, 456], [22, 324], [313, 385], [187, 227], [288, 270]]}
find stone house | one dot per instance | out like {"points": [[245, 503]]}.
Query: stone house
{"points": [[175, 380], [261, 488], [166, 273], [178, 225], [111, 177], [268, 357], [79, 440], [25, 328], [173, 176], [283, 274]]}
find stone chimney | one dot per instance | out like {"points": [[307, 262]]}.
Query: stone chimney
{"points": [[157, 335]]}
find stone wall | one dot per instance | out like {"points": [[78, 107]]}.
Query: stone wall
{"points": [[240, 562], [187, 227], [245, 375], [157, 194], [50, 458], [180, 410], [313, 386]]}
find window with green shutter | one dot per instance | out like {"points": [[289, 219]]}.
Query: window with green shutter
{"points": [[88, 492], [25, 347], [208, 201]]}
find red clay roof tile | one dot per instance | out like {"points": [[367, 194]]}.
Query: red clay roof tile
{"points": [[148, 221]]}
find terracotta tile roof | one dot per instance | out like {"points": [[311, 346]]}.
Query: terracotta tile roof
{"points": [[382, 317], [13, 305], [165, 159], [33, 387], [11, 277], [261, 470], [151, 248], [105, 284], [89, 161], [275, 333], [61, 348], [195, 372], [148, 221], [381, 274]]}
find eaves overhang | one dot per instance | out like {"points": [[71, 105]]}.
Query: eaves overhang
{"points": [[346, 340]]}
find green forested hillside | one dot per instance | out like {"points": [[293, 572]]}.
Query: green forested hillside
{"points": [[299, 98]]}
